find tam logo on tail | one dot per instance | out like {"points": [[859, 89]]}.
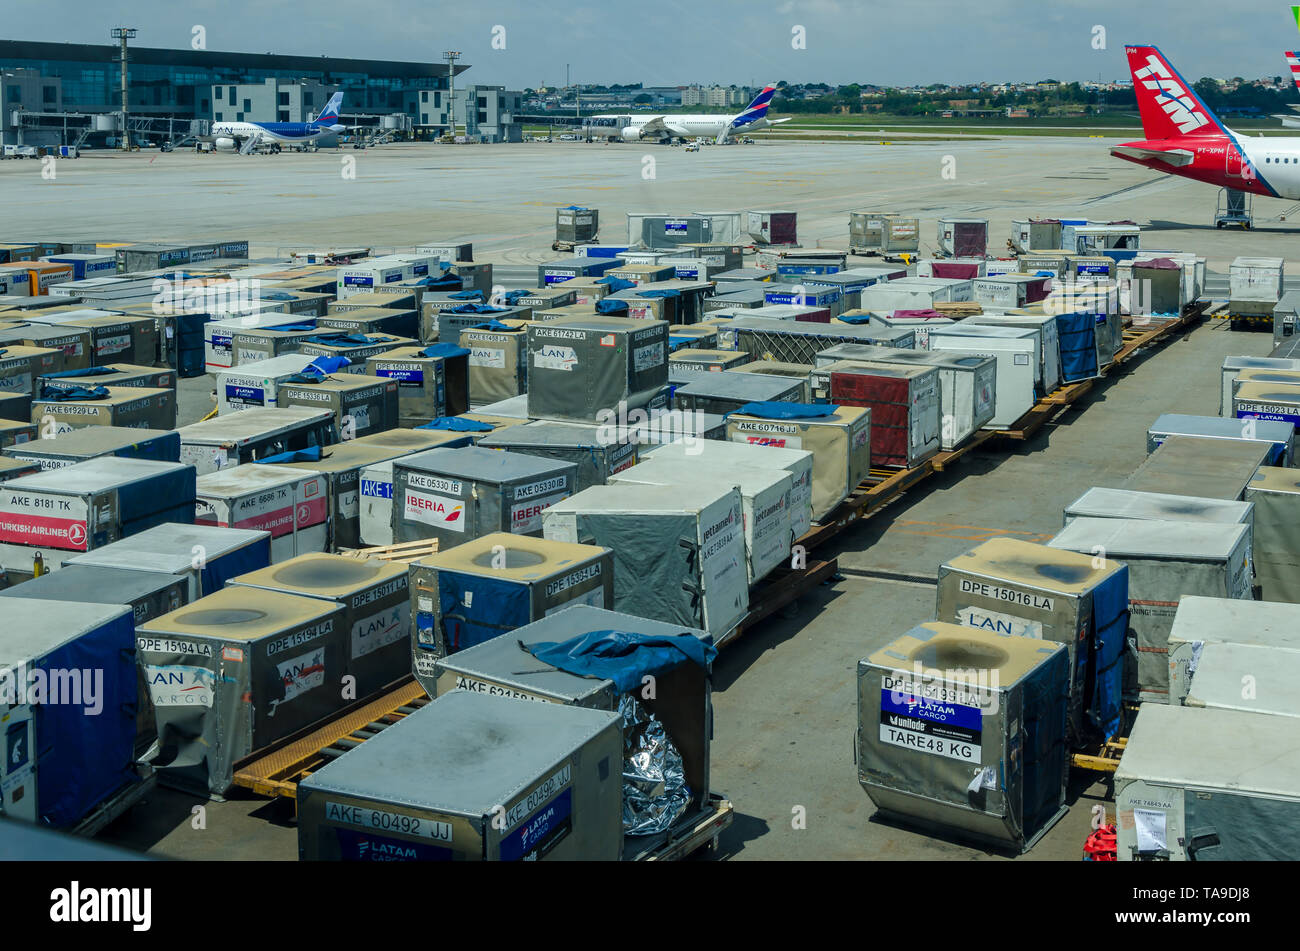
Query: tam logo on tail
{"points": [[1176, 101]]}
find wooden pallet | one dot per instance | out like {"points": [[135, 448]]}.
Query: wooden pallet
{"points": [[405, 553], [276, 772]]}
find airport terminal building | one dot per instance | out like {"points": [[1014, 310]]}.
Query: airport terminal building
{"points": [[59, 79]]}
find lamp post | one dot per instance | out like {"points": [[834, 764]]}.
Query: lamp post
{"points": [[122, 34]]}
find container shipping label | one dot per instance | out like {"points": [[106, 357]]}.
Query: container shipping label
{"points": [[302, 673], [245, 395], [492, 357], [376, 489], [380, 819], [1025, 599], [406, 375], [552, 357], [117, 343], [929, 725], [379, 630], [276, 512], [440, 511], [526, 517], [652, 355], [180, 685], [50, 521], [999, 623]]}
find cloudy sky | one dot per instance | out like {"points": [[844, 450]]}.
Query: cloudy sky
{"points": [[671, 42]]}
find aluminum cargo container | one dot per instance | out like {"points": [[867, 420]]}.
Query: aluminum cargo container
{"points": [[1256, 280], [724, 393], [1278, 435], [642, 273], [580, 367], [1267, 401], [1086, 343], [798, 373], [435, 786], [792, 341], [772, 227], [718, 256], [112, 374], [1275, 493], [839, 440], [1207, 785], [805, 312], [1206, 468], [23, 367], [290, 503], [362, 276], [88, 505], [1265, 376], [1034, 234], [556, 272], [78, 445], [375, 483], [1123, 503], [357, 348], [900, 295], [360, 404], [252, 434], [1248, 678], [234, 672], [388, 298], [432, 380], [575, 223], [542, 298], [1286, 320], [75, 343], [866, 229], [494, 584], [376, 617], [1016, 351], [66, 755], [474, 275], [806, 295], [1008, 586], [202, 556], [455, 495], [1158, 287], [252, 385], [1098, 238], [682, 701], [862, 352], [679, 552], [965, 730], [963, 237], [723, 454], [1166, 560], [905, 409], [692, 358], [1202, 621], [219, 351], [374, 320], [655, 231], [460, 251], [597, 451], [765, 497], [115, 337], [445, 325], [254, 345], [1049, 342]]}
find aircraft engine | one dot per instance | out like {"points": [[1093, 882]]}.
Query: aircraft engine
{"points": [[224, 144], [631, 134]]}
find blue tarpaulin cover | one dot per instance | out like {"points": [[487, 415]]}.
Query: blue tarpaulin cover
{"points": [[441, 282], [467, 295], [310, 454], [775, 410], [445, 351], [611, 305], [327, 365], [510, 298], [475, 309], [346, 340], [275, 295], [455, 424], [854, 318], [622, 656], [494, 325], [84, 371], [1110, 621], [299, 327], [573, 208], [1077, 334], [660, 292], [58, 395], [616, 284]]}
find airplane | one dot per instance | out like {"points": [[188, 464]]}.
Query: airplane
{"points": [[1293, 63], [245, 137], [1184, 138], [665, 128]]}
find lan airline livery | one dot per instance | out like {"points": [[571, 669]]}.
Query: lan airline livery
{"points": [[1183, 137], [667, 127], [246, 136]]}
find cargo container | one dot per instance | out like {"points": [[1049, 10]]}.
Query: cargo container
{"points": [[1008, 586], [1100, 239], [1166, 559], [1035, 234], [1016, 350], [60, 411], [765, 499], [1206, 468], [447, 324], [773, 227], [65, 757], [14, 282], [963, 237], [1048, 342], [376, 616], [1010, 290], [1207, 785], [360, 404], [809, 295], [492, 585], [388, 298], [726, 392], [430, 788], [1248, 678], [583, 366], [655, 231], [1286, 318], [362, 276], [86, 265], [886, 233], [1255, 287], [290, 503], [793, 341], [679, 551], [1278, 435], [1264, 401], [22, 367], [1124, 503], [142, 256], [255, 345], [906, 410], [1202, 621], [220, 351], [111, 374], [797, 373], [964, 730], [202, 556], [1275, 493], [234, 672], [556, 272], [455, 251], [838, 436], [432, 380], [16, 433], [497, 358], [1282, 379], [1232, 366], [691, 358], [79, 445], [597, 451], [251, 434], [115, 338], [88, 505], [372, 321], [355, 348], [575, 223], [375, 480], [255, 384], [1157, 287], [455, 495]]}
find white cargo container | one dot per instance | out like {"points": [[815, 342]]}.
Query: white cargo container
{"points": [[250, 434], [1208, 785], [1255, 279], [1248, 678], [290, 503], [363, 276], [1049, 341], [1275, 494], [1201, 621], [219, 335], [254, 384], [1016, 350]]}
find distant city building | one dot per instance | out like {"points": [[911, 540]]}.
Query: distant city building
{"points": [[717, 96]]}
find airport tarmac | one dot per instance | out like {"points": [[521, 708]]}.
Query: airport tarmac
{"points": [[785, 694]]}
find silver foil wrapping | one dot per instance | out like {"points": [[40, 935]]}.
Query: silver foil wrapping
{"points": [[654, 782]]}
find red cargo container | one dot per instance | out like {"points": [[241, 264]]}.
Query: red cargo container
{"points": [[904, 402]]}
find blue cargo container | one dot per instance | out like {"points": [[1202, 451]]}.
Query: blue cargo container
{"points": [[554, 272]]}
